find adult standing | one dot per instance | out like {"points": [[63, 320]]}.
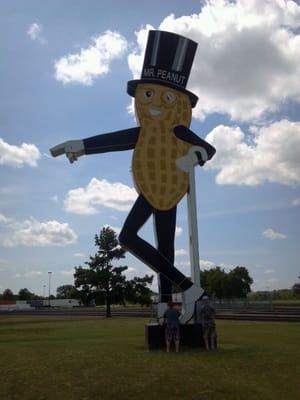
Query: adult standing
{"points": [[206, 317]]}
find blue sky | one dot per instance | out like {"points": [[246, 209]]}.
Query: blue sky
{"points": [[63, 73]]}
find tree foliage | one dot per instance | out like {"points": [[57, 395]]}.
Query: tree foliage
{"points": [[239, 282], [8, 295], [277, 295], [296, 290], [137, 290], [66, 292], [101, 281], [226, 285], [102, 277], [25, 294]]}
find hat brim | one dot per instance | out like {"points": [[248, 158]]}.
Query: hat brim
{"points": [[132, 85]]}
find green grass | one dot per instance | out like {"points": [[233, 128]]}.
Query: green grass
{"points": [[87, 359]]}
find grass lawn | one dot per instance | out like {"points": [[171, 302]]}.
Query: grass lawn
{"points": [[87, 359]]}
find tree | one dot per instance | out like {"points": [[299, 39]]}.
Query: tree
{"points": [[239, 282], [85, 294], [25, 294], [296, 290], [214, 282], [101, 277], [138, 292], [222, 285], [66, 292], [7, 295]]}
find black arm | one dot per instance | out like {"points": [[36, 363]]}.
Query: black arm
{"points": [[185, 134], [115, 141]]}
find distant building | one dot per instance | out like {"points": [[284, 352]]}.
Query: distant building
{"points": [[19, 305]]}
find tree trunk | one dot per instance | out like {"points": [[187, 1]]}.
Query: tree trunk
{"points": [[108, 311]]}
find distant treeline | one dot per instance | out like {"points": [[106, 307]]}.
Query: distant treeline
{"points": [[281, 294], [23, 294]]}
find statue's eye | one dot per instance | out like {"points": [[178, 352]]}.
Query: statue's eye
{"points": [[169, 97], [148, 93]]}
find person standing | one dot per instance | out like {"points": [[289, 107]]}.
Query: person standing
{"points": [[206, 317], [172, 326]]}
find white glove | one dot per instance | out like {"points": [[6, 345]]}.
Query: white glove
{"points": [[72, 148], [188, 161]]}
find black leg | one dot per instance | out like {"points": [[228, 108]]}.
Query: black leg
{"points": [[164, 226], [138, 215]]}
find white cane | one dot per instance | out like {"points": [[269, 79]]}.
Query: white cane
{"points": [[193, 228], [187, 164], [193, 293]]}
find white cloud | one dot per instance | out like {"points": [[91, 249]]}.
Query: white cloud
{"points": [[296, 202], [99, 192], [246, 61], [268, 271], [33, 233], [136, 57], [4, 220], [35, 33], [184, 263], [79, 255], [272, 280], [226, 266], [130, 108], [205, 264], [32, 274], [29, 274], [273, 235], [18, 156], [180, 253], [54, 198], [131, 270], [69, 272], [178, 231], [271, 154], [90, 63]]}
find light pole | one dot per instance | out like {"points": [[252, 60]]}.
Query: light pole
{"points": [[49, 273], [44, 290]]}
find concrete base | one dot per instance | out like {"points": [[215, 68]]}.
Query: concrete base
{"points": [[190, 336]]}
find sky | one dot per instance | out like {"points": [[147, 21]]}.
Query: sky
{"points": [[64, 67]]}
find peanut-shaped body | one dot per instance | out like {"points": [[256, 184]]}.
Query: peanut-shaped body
{"points": [[156, 175]]}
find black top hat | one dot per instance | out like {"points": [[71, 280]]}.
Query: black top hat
{"points": [[168, 61]]}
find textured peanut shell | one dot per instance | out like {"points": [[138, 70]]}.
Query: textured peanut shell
{"points": [[154, 168]]}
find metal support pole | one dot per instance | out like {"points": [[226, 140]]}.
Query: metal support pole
{"points": [[49, 273], [193, 229]]}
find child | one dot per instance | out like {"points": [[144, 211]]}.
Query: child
{"points": [[171, 319]]}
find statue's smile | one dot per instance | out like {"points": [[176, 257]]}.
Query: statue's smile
{"points": [[154, 112]]}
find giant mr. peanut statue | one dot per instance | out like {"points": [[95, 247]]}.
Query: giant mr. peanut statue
{"points": [[165, 151]]}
